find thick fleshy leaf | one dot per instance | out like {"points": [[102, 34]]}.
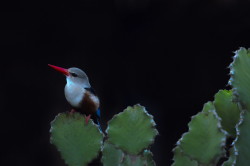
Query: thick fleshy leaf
{"points": [[242, 143], [240, 77], [208, 107], [111, 156], [240, 82], [79, 143], [227, 110], [205, 140], [146, 159], [132, 130], [132, 161], [181, 160]]}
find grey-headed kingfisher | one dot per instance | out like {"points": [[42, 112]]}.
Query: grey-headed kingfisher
{"points": [[79, 93]]}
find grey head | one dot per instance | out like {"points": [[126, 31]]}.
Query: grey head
{"points": [[77, 76]]}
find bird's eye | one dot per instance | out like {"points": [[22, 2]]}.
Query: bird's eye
{"points": [[74, 74]]}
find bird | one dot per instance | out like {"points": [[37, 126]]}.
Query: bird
{"points": [[79, 93]]}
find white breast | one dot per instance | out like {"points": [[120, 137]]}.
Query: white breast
{"points": [[74, 94]]}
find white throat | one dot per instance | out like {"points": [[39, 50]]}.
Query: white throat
{"points": [[74, 93]]}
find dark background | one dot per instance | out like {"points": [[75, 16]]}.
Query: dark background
{"points": [[170, 56]]}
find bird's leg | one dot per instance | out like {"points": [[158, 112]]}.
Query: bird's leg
{"points": [[72, 111], [87, 118]]}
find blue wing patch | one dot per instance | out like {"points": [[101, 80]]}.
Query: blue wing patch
{"points": [[98, 113]]}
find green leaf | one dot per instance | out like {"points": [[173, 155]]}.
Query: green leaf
{"points": [[208, 107], [146, 159], [240, 82], [111, 156], [227, 110], [242, 142], [240, 77], [132, 161], [205, 140], [132, 130], [181, 160], [78, 143]]}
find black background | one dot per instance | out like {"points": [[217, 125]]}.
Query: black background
{"points": [[169, 56]]}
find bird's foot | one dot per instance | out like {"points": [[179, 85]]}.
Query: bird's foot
{"points": [[72, 111], [87, 118]]}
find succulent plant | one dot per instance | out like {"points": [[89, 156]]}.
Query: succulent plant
{"points": [[218, 135], [77, 142], [230, 110], [132, 130], [129, 136], [240, 81], [205, 133]]}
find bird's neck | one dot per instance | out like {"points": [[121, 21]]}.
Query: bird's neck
{"points": [[74, 93]]}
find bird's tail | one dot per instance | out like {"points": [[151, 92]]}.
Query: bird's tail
{"points": [[99, 125]]}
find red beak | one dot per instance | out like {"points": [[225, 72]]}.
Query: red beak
{"points": [[60, 69]]}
